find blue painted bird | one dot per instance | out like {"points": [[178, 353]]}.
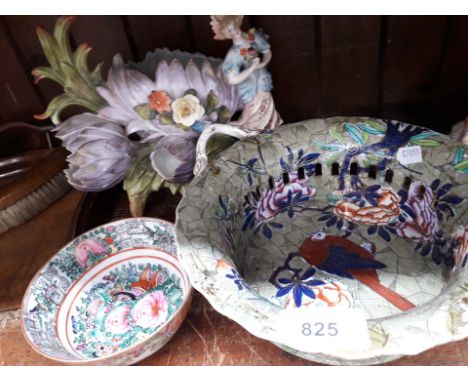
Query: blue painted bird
{"points": [[342, 257]]}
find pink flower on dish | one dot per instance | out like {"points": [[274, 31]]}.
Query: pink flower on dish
{"points": [[117, 321], [425, 223], [271, 201], [150, 311], [86, 247]]}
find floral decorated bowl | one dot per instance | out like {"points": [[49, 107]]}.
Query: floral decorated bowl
{"points": [[112, 296], [344, 215]]}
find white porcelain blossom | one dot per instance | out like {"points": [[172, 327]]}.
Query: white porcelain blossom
{"points": [[187, 110]]}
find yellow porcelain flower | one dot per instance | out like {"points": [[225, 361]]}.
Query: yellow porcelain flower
{"points": [[187, 110]]}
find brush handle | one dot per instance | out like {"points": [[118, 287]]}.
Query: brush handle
{"points": [[13, 166], [47, 168], [19, 137]]}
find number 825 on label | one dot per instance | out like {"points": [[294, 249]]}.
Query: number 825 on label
{"points": [[316, 329], [320, 329]]}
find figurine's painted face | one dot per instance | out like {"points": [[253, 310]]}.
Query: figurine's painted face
{"points": [[231, 31]]}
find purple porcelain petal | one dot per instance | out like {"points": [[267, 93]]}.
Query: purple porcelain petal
{"points": [[195, 80], [119, 111], [130, 85], [173, 158], [151, 131], [179, 84], [139, 126], [162, 79], [100, 152], [125, 89], [72, 126]]}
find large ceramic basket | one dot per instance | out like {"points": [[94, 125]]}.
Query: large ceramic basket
{"points": [[351, 187], [112, 296]]}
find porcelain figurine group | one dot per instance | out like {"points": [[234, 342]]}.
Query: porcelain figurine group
{"points": [[172, 102], [244, 69]]}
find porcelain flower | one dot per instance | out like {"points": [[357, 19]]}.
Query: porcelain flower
{"points": [[159, 101], [117, 321], [425, 223], [132, 94], [271, 201], [101, 152], [187, 110], [85, 248], [162, 98], [151, 310], [173, 158]]}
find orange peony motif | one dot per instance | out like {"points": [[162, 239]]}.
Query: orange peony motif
{"points": [[159, 101], [387, 208]]}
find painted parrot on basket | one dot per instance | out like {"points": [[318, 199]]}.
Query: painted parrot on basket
{"points": [[342, 257]]}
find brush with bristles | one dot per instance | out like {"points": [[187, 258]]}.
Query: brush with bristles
{"points": [[35, 189]]}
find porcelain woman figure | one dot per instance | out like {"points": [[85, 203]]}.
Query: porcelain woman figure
{"points": [[243, 67]]}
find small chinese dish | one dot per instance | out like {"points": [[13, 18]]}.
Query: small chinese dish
{"points": [[348, 213], [112, 296]]}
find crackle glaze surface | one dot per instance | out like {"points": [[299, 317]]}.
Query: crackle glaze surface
{"points": [[239, 231], [113, 295]]}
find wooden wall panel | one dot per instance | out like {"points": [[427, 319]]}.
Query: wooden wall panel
{"points": [[350, 64], [455, 68], [22, 30], [149, 33], [413, 51], [203, 37], [18, 97], [294, 64], [452, 96], [106, 35]]}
